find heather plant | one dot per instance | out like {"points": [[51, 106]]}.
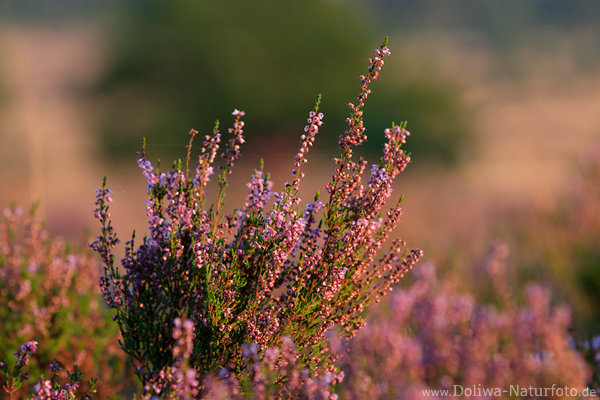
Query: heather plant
{"points": [[430, 336], [269, 270], [49, 295], [13, 377], [65, 387]]}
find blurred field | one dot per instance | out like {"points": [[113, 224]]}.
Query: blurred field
{"points": [[532, 132], [44, 126]]}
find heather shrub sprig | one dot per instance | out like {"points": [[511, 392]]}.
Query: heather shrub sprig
{"points": [[271, 269], [67, 387], [12, 378]]}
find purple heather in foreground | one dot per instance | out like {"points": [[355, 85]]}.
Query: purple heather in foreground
{"points": [[275, 269]]}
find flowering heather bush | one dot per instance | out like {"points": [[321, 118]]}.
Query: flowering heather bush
{"points": [[432, 337], [270, 270], [49, 294]]}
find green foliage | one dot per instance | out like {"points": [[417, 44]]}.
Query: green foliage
{"points": [[433, 109], [180, 63]]}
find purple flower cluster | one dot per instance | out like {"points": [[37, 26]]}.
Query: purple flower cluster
{"points": [[275, 268], [45, 390], [25, 351]]}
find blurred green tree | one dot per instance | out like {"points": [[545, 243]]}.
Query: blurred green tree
{"points": [[177, 65]]}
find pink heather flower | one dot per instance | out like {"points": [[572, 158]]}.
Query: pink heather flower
{"points": [[148, 171], [249, 350], [205, 161], [384, 51], [29, 347], [183, 333], [259, 192], [315, 120], [25, 351], [312, 208], [54, 367], [232, 152]]}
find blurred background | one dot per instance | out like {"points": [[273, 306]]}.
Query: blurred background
{"points": [[502, 98]]}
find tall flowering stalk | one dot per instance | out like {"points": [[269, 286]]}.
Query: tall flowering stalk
{"points": [[270, 270]]}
